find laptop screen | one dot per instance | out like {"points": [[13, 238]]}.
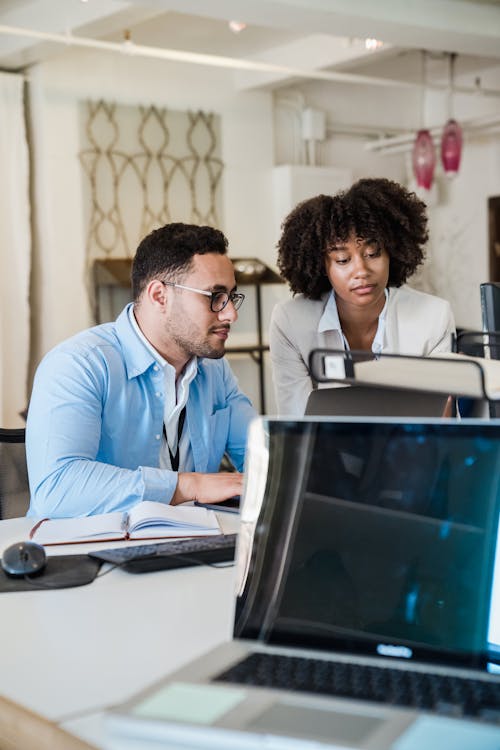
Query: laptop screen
{"points": [[372, 536]]}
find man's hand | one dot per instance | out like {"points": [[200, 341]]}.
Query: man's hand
{"points": [[207, 488]]}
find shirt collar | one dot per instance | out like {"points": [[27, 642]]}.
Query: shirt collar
{"points": [[135, 325], [378, 341], [330, 321], [189, 370]]}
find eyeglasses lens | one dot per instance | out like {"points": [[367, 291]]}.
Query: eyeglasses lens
{"points": [[221, 299]]}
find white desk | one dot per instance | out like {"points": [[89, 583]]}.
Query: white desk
{"points": [[72, 652]]}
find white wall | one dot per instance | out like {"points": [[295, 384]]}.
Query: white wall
{"points": [[15, 243], [258, 131], [56, 88], [458, 260], [457, 252], [458, 248]]}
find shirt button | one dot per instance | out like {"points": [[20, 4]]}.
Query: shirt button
{"points": [[157, 437], [158, 394], [156, 368]]}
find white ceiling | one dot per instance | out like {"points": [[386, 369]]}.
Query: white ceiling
{"points": [[300, 35]]}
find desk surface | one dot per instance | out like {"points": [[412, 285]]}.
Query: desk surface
{"points": [[71, 652]]}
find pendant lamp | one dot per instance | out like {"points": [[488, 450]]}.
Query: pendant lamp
{"points": [[451, 138], [451, 147], [424, 159], [424, 154]]}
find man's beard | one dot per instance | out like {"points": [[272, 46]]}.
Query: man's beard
{"points": [[199, 348]]}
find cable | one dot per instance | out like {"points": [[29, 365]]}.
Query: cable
{"points": [[113, 566]]}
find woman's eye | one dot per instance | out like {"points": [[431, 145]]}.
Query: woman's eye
{"points": [[341, 261], [373, 248]]}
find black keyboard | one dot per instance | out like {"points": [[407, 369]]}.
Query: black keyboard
{"points": [[178, 553], [445, 694]]}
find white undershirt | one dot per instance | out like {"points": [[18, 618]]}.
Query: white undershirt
{"points": [[330, 321]]}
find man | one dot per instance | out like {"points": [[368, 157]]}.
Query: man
{"points": [[144, 408]]}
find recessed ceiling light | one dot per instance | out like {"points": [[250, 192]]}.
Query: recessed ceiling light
{"points": [[373, 43], [237, 26]]}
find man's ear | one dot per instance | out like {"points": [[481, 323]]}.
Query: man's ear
{"points": [[156, 292]]}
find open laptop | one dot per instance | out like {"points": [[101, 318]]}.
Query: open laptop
{"points": [[368, 596], [372, 400], [355, 383]]}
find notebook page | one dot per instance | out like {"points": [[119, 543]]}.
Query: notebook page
{"points": [[89, 528], [157, 519]]}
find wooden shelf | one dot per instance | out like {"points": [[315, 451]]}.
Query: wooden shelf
{"points": [[113, 272]]}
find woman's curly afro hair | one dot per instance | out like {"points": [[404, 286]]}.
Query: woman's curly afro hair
{"points": [[372, 209]]}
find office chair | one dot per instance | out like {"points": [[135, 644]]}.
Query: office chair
{"points": [[490, 305], [14, 487], [484, 344]]}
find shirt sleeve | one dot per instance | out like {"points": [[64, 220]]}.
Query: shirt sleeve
{"points": [[292, 382], [63, 436], [445, 330], [241, 414]]}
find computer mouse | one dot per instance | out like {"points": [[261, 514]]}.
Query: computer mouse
{"points": [[23, 559]]}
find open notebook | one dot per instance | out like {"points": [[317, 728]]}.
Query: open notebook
{"points": [[368, 602]]}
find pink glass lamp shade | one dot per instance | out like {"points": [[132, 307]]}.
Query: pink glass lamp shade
{"points": [[424, 159], [451, 147]]}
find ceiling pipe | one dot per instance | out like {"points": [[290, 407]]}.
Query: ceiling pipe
{"points": [[487, 125], [128, 47]]}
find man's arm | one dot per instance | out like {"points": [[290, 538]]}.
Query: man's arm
{"points": [[92, 439], [67, 439], [241, 413]]}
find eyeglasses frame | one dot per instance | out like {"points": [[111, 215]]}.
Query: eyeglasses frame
{"points": [[236, 298]]}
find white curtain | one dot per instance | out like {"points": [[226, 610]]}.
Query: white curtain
{"points": [[15, 246]]}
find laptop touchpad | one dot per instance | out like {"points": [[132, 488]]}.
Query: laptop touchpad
{"points": [[314, 723]]}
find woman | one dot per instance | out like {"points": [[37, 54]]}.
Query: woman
{"points": [[347, 259]]}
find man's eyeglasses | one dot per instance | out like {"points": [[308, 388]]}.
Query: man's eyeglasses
{"points": [[218, 300]]}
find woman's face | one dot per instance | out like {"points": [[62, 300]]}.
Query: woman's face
{"points": [[358, 270]]}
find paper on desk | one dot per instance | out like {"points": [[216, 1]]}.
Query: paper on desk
{"points": [[146, 520]]}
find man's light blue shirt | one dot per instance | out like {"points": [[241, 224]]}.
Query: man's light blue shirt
{"points": [[95, 423], [176, 396]]}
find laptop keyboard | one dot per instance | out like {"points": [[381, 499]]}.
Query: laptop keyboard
{"points": [[179, 553], [448, 695]]}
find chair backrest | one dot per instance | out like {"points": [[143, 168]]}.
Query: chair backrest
{"points": [[14, 487], [484, 344], [490, 305]]}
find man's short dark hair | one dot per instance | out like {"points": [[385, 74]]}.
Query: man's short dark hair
{"points": [[373, 209], [168, 252]]}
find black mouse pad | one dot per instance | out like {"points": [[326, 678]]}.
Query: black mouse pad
{"points": [[60, 572]]}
